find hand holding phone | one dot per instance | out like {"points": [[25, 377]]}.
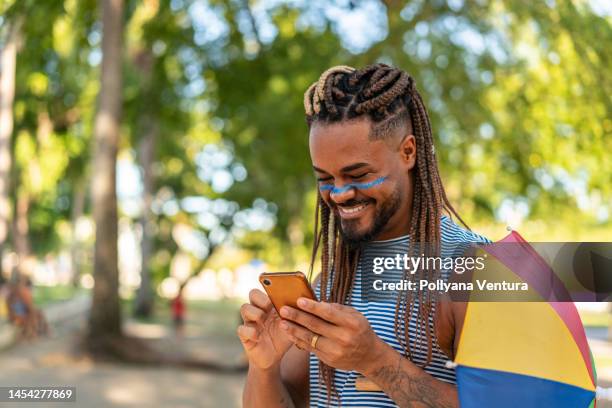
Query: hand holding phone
{"points": [[284, 288], [264, 342]]}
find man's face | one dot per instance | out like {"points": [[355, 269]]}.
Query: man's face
{"points": [[366, 183]]}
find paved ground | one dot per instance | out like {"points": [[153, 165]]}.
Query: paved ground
{"points": [[52, 362], [209, 335]]}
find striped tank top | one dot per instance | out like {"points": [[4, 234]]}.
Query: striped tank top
{"points": [[381, 315]]}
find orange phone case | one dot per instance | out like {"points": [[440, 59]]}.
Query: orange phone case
{"points": [[284, 288]]}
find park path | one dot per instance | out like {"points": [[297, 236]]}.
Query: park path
{"points": [[208, 336], [52, 361]]}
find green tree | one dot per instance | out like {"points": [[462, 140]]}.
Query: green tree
{"points": [[508, 87]]}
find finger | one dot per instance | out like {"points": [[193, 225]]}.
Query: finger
{"points": [[305, 346], [300, 344], [251, 313], [247, 332], [331, 312], [248, 344], [311, 322], [260, 299], [303, 338]]}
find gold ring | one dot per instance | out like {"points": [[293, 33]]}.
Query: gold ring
{"points": [[313, 341]]}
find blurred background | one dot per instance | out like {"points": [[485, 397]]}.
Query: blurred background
{"points": [[154, 160]]}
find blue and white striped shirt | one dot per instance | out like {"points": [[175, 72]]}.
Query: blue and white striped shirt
{"points": [[381, 315]]}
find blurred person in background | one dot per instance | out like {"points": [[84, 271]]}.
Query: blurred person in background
{"points": [[37, 317], [22, 311], [178, 312], [19, 303]]}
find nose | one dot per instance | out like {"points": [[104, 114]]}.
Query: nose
{"points": [[342, 194]]}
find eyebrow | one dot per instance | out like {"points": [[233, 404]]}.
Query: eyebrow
{"points": [[345, 169]]}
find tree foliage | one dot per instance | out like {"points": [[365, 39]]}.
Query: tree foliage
{"points": [[518, 94]]}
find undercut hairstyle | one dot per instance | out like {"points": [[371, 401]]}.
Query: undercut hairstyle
{"points": [[388, 97]]}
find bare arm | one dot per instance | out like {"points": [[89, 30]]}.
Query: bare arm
{"points": [[408, 385], [264, 388], [294, 374], [283, 385]]}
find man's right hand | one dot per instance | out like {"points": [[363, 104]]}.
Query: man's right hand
{"points": [[263, 340]]}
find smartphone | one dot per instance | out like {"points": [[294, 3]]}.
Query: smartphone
{"points": [[284, 288]]}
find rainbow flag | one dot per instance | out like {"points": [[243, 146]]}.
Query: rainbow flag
{"points": [[524, 354]]}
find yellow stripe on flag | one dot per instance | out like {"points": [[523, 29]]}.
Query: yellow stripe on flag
{"points": [[523, 338]]}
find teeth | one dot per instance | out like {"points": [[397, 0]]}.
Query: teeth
{"points": [[353, 209]]}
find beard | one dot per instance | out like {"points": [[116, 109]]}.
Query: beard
{"points": [[355, 238]]}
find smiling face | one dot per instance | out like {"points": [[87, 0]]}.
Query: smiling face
{"points": [[367, 183]]}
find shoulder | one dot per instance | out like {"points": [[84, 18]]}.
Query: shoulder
{"points": [[453, 233]]}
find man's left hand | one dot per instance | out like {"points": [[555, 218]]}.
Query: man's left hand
{"points": [[346, 339]]}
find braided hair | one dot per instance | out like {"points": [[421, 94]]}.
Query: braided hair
{"points": [[389, 98]]}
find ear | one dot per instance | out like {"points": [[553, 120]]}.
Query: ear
{"points": [[407, 151]]}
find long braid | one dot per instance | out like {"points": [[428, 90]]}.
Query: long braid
{"points": [[325, 270], [389, 98]]}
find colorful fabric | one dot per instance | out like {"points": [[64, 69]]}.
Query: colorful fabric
{"points": [[527, 354]]}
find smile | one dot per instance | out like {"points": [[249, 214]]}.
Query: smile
{"points": [[352, 212]]}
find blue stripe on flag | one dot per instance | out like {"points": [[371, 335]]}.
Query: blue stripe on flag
{"points": [[480, 387]]}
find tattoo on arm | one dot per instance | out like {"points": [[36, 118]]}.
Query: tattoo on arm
{"points": [[411, 391]]}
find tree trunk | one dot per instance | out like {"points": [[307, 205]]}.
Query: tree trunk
{"points": [[8, 59], [21, 231], [78, 208], [144, 296], [105, 318]]}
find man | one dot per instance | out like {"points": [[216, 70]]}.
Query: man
{"points": [[372, 151]]}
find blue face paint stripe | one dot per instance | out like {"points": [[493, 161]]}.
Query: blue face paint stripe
{"points": [[347, 187]]}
